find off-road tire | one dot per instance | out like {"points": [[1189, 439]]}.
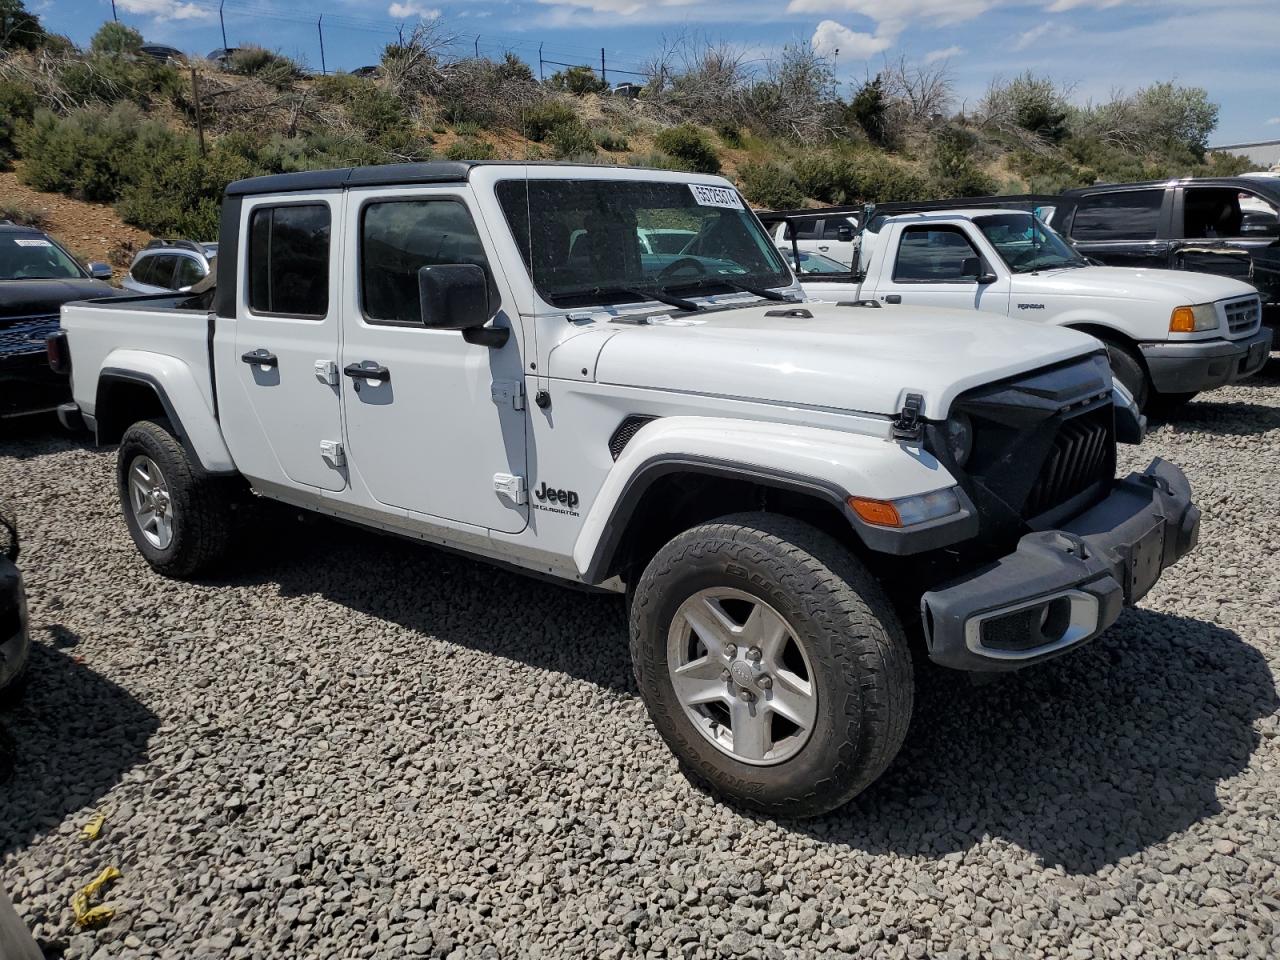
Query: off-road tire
{"points": [[862, 666], [204, 505], [1129, 370]]}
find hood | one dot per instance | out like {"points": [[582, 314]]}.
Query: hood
{"points": [[841, 358], [27, 298], [1171, 288]]}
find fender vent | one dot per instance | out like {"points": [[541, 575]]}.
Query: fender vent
{"points": [[627, 429]]}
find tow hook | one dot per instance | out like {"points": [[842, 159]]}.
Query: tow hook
{"points": [[907, 426]]}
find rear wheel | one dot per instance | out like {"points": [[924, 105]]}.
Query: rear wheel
{"points": [[1129, 370], [180, 518], [771, 663]]}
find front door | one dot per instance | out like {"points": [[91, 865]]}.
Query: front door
{"points": [[1126, 228], [937, 265], [286, 343], [435, 425]]}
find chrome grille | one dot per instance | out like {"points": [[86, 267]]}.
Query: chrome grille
{"points": [[1243, 316], [26, 334], [1081, 456]]}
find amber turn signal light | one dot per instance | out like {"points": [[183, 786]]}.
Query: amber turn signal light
{"points": [[1183, 320], [880, 512]]}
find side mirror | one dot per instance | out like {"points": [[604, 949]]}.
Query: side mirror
{"points": [[100, 271], [987, 278], [455, 296], [844, 233]]}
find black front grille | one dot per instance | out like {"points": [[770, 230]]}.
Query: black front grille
{"points": [[1081, 456], [25, 335], [627, 429]]}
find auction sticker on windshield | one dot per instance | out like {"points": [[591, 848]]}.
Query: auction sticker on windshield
{"points": [[708, 196], [31, 242]]}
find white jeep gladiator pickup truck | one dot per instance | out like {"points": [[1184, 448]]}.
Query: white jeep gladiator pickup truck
{"points": [[782, 489], [1170, 334]]}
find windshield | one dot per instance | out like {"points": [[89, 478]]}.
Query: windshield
{"points": [[1025, 244], [621, 241], [33, 257]]}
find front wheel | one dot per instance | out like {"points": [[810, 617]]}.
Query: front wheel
{"points": [[1129, 370], [180, 518], [771, 663]]}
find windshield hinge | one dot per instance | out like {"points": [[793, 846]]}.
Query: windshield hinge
{"points": [[907, 426]]}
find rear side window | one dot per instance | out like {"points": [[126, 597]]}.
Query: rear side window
{"points": [[289, 260], [936, 255], [397, 237], [144, 270], [807, 229], [156, 270], [1129, 215], [189, 271]]}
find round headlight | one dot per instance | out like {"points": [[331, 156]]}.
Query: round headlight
{"points": [[960, 438]]}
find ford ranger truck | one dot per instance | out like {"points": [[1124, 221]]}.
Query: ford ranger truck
{"points": [[791, 495], [1169, 334]]}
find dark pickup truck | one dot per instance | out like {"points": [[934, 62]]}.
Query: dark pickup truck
{"points": [[1224, 225], [37, 276]]}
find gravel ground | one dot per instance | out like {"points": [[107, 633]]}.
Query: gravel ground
{"points": [[361, 748]]}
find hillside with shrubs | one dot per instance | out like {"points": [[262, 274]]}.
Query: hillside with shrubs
{"points": [[159, 141]]}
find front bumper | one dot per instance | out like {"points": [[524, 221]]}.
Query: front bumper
{"points": [[1178, 367], [27, 385], [1061, 588]]}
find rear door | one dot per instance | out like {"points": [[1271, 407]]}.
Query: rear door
{"points": [[1124, 228], [434, 424], [286, 342], [1227, 216], [939, 265]]}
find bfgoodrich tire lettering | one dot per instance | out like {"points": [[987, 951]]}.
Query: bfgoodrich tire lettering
{"points": [[199, 507], [861, 666]]}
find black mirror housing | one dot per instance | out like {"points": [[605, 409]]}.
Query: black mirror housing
{"points": [[844, 234], [455, 296]]}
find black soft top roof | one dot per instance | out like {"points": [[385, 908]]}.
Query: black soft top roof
{"points": [[434, 171]]}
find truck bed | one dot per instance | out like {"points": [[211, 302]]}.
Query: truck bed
{"points": [[105, 332]]}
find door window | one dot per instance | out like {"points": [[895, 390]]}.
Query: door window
{"points": [[1217, 212], [189, 271], [831, 230], [807, 229], [928, 254], [144, 271], [157, 270], [1127, 215], [289, 260], [397, 238]]}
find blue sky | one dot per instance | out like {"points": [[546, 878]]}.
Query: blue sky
{"points": [[1230, 47]]}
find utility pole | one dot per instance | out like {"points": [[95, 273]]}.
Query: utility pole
{"points": [[540, 75], [113, 12], [477, 46], [222, 23], [320, 30], [604, 77]]}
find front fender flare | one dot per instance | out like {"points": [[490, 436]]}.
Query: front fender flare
{"points": [[187, 406], [828, 464]]}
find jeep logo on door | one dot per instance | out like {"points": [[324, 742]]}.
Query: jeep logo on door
{"points": [[557, 501]]}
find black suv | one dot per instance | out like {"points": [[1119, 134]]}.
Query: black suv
{"points": [[37, 276], [1224, 225]]}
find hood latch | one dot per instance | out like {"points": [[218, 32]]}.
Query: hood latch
{"points": [[907, 426]]}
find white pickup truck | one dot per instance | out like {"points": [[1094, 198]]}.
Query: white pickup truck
{"points": [[791, 495], [1170, 334]]}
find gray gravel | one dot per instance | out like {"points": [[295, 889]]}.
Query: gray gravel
{"points": [[360, 748]]}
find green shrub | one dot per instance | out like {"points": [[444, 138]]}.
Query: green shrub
{"points": [[610, 140], [869, 109], [87, 154], [267, 65], [770, 184], [953, 168], [578, 81], [654, 159], [115, 40], [540, 119], [19, 28], [17, 104], [861, 176], [690, 146], [730, 135], [469, 149], [572, 140], [467, 128]]}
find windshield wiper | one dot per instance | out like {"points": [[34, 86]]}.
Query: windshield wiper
{"points": [[639, 295], [762, 292]]}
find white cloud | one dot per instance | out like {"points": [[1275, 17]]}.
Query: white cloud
{"points": [[894, 15], [623, 7], [831, 37], [166, 9], [1028, 37], [1274, 122], [933, 56], [412, 10]]}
